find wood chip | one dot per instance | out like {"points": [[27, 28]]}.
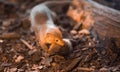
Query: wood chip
{"points": [[84, 31], [19, 58], [73, 32]]}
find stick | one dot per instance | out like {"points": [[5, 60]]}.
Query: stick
{"points": [[9, 36], [85, 69], [73, 64], [27, 44]]}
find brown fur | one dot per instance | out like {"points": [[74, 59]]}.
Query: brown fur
{"points": [[40, 18], [48, 35]]}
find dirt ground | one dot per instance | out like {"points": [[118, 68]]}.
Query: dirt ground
{"points": [[19, 51]]}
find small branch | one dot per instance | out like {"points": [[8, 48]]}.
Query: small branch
{"points": [[85, 69], [27, 44], [73, 64], [9, 36]]}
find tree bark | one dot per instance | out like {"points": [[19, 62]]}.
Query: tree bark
{"points": [[107, 20], [104, 20]]}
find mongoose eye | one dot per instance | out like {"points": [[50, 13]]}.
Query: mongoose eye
{"points": [[56, 40]]}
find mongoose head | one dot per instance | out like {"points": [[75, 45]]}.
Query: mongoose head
{"points": [[52, 39]]}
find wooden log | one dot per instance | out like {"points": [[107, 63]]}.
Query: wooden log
{"points": [[104, 20], [107, 20]]}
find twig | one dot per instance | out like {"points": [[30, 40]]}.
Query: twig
{"points": [[9, 35], [85, 69], [27, 44], [73, 64]]}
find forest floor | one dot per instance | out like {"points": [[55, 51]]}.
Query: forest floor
{"points": [[19, 51]]}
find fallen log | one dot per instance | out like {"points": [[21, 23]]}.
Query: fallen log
{"points": [[104, 20], [108, 20]]}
